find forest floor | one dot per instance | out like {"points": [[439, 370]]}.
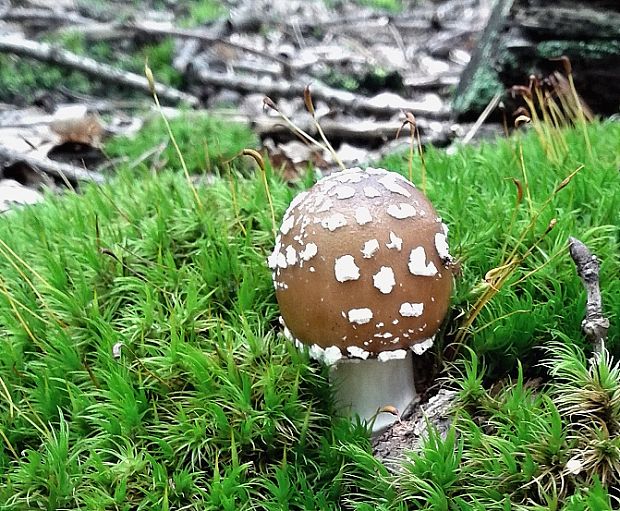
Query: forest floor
{"points": [[142, 364], [72, 75]]}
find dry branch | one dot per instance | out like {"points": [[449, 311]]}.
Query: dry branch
{"points": [[53, 55], [595, 324], [159, 29], [43, 17], [354, 130], [51, 167], [383, 104]]}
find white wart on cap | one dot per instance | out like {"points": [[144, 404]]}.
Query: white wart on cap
{"points": [[361, 264]]}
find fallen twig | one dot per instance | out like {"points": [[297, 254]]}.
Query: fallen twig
{"points": [[481, 119], [47, 53], [385, 104], [350, 129], [595, 324], [43, 16], [51, 167], [160, 29]]}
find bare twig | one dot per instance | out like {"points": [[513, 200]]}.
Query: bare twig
{"points": [[51, 54], [351, 129], [159, 29], [51, 167], [398, 38], [382, 104], [43, 16], [595, 324]]}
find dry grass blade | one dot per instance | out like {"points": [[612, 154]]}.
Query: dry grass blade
{"points": [[151, 81]]}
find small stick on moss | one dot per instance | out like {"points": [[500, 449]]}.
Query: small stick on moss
{"points": [[483, 117], [595, 324]]}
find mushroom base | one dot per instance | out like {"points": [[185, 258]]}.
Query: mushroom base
{"points": [[363, 387]]}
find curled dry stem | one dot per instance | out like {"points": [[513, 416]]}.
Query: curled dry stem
{"points": [[256, 156], [310, 108], [415, 137]]}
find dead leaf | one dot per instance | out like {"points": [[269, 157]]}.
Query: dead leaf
{"points": [[86, 130]]}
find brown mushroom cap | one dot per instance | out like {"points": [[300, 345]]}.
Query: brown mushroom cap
{"points": [[361, 263]]}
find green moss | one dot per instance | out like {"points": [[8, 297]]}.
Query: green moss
{"points": [[585, 49], [159, 56], [511, 448], [23, 79], [204, 407], [341, 80], [369, 81], [473, 191], [142, 365], [203, 11], [205, 142], [393, 6], [387, 5]]}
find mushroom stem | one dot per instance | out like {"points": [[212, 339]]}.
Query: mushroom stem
{"points": [[364, 387]]}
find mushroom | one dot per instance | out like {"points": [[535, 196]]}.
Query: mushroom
{"points": [[362, 275]]}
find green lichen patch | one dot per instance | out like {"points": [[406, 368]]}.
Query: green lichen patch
{"points": [[483, 86], [583, 49]]}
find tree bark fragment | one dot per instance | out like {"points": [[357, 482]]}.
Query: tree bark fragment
{"points": [[391, 446]]}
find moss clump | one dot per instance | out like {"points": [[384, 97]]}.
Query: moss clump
{"points": [[206, 142], [341, 80], [203, 11], [22, 79], [368, 81], [386, 5], [583, 49]]}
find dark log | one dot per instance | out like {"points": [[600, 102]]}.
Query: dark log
{"points": [[525, 37]]}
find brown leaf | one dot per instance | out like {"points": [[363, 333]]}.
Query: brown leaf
{"points": [[86, 130], [308, 100], [292, 159]]}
